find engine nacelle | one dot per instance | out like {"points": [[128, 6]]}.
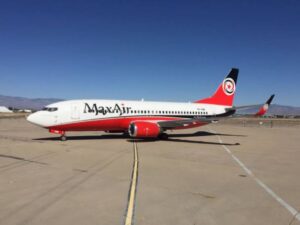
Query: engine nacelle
{"points": [[143, 129]]}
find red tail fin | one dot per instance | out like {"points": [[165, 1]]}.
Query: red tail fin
{"points": [[225, 92]]}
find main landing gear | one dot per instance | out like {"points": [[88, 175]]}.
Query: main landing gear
{"points": [[163, 136]]}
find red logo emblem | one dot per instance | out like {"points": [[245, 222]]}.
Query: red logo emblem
{"points": [[228, 86]]}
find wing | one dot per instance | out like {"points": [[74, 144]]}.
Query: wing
{"points": [[184, 123], [262, 108], [199, 121]]}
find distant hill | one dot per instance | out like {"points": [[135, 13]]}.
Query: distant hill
{"points": [[284, 110], [26, 103]]}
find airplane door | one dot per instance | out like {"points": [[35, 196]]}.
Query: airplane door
{"points": [[74, 112]]}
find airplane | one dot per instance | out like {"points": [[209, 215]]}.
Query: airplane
{"points": [[140, 119]]}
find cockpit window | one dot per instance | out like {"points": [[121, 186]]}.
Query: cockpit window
{"points": [[50, 109]]}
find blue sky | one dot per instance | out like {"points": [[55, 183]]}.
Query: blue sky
{"points": [[156, 50]]}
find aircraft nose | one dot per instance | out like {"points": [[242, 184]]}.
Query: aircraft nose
{"points": [[32, 118], [42, 119], [37, 119]]}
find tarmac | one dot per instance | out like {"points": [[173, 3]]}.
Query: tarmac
{"points": [[216, 174]]}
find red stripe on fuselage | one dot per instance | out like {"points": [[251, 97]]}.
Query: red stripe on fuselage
{"points": [[120, 123]]}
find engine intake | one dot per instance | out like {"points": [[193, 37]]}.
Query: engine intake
{"points": [[143, 129]]}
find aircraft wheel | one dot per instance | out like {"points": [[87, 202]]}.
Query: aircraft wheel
{"points": [[163, 136], [63, 138]]}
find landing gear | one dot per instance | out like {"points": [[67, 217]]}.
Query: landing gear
{"points": [[163, 136], [63, 136]]}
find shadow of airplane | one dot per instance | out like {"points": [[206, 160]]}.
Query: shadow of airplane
{"points": [[182, 141], [204, 133], [84, 137], [172, 138]]}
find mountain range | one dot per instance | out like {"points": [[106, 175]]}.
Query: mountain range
{"points": [[39, 103], [26, 103]]}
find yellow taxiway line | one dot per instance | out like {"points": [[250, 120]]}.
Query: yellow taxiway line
{"points": [[133, 188]]}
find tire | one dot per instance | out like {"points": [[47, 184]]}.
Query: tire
{"points": [[163, 136], [63, 138]]}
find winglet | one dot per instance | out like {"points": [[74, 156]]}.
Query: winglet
{"points": [[263, 110]]}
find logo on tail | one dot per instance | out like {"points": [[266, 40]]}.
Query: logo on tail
{"points": [[228, 86]]}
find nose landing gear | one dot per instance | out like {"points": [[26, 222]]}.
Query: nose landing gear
{"points": [[62, 133], [63, 137]]}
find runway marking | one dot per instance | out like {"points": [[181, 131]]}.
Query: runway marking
{"points": [[133, 188], [287, 206]]}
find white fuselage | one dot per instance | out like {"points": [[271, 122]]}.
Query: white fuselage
{"points": [[78, 111]]}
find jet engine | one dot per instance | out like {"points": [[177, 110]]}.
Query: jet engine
{"points": [[142, 129]]}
